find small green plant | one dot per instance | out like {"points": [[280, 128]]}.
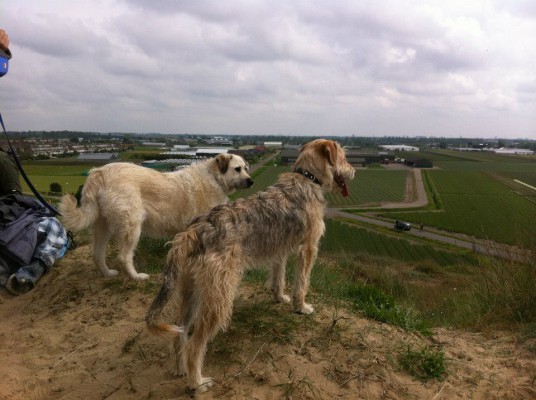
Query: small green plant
{"points": [[424, 364], [383, 308]]}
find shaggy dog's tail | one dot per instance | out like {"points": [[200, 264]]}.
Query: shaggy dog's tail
{"points": [[184, 245], [78, 218], [160, 301]]}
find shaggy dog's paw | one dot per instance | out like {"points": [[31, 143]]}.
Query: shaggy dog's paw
{"points": [[141, 276], [282, 298], [305, 309], [204, 386]]}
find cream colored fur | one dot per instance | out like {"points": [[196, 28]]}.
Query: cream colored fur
{"points": [[124, 200]]}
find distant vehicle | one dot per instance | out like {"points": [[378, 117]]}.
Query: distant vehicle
{"points": [[402, 226]]}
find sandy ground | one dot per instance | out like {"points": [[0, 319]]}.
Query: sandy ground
{"points": [[78, 335]]}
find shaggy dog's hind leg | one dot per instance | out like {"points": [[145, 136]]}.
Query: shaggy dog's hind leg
{"points": [[187, 304], [217, 288], [276, 282]]}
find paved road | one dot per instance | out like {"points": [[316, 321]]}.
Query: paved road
{"points": [[478, 246]]}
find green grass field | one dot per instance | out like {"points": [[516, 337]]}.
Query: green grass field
{"points": [[368, 186], [480, 206], [465, 156], [42, 174], [344, 238]]}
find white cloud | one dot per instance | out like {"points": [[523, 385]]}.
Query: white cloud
{"points": [[303, 67]]}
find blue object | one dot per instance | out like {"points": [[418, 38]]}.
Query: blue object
{"points": [[4, 66]]}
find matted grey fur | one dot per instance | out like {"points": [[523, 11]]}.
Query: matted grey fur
{"points": [[206, 262], [124, 200]]}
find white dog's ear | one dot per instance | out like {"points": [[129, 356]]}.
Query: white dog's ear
{"points": [[222, 160]]}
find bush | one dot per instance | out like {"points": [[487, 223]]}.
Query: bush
{"points": [[56, 188]]}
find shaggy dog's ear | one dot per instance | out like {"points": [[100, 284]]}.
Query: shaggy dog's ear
{"points": [[222, 160], [329, 150]]}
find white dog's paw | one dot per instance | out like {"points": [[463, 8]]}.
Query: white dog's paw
{"points": [[305, 309], [205, 385], [282, 298], [141, 277], [178, 373], [111, 273]]}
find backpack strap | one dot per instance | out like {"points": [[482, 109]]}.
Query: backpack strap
{"points": [[26, 179]]}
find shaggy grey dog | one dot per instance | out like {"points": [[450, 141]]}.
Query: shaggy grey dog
{"points": [[206, 262]]}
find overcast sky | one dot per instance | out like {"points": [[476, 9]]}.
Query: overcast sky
{"points": [[433, 68]]}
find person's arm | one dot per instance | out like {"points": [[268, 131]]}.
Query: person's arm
{"points": [[4, 45]]}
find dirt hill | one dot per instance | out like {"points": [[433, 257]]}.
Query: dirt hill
{"points": [[80, 336]]}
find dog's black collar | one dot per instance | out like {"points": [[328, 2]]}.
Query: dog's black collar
{"points": [[308, 175]]}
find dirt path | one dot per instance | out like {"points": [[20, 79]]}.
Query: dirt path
{"points": [[78, 335], [419, 192]]}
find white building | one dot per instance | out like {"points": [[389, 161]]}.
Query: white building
{"points": [[273, 144], [398, 147], [504, 150], [212, 151]]}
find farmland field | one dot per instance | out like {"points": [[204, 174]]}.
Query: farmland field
{"points": [[368, 186], [263, 177], [464, 156], [373, 186], [477, 197], [342, 237], [507, 166], [478, 205], [525, 176]]}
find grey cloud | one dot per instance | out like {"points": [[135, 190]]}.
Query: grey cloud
{"points": [[46, 35], [340, 67]]}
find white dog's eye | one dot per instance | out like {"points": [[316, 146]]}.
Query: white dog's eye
{"points": [[238, 169]]}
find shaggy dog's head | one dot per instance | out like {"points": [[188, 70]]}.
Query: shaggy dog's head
{"points": [[325, 161], [233, 172]]}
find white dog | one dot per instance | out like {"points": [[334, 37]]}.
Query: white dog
{"points": [[122, 200]]}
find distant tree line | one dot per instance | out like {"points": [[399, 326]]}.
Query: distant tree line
{"points": [[241, 140]]}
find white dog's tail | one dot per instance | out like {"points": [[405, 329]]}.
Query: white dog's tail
{"points": [[78, 218]]}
